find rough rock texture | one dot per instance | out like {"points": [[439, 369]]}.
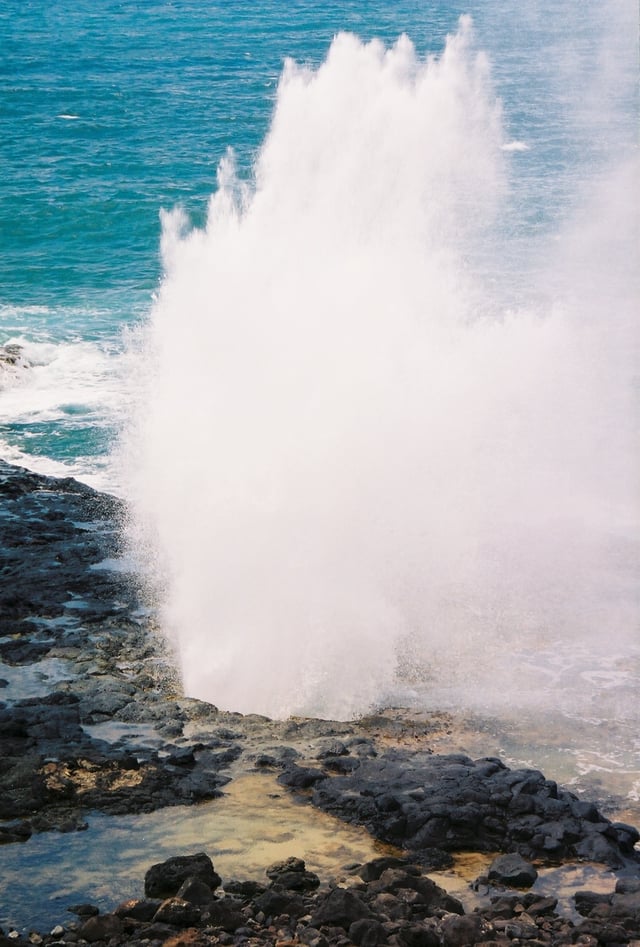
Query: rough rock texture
{"points": [[12, 361], [399, 907], [167, 878], [512, 870], [422, 802], [57, 603], [92, 717]]}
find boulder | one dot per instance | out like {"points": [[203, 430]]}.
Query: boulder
{"points": [[276, 900], [293, 875], [137, 909], [177, 913], [368, 932], [164, 879], [195, 891], [512, 870], [340, 908], [224, 913], [461, 931], [101, 927]]}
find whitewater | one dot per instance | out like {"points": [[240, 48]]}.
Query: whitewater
{"points": [[376, 453]]}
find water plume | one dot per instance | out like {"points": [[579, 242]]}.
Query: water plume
{"points": [[361, 466]]}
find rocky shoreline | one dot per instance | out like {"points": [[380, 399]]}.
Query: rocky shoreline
{"points": [[92, 719]]}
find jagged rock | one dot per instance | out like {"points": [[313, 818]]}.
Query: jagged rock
{"points": [[512, 870], [101, 927], [177, 913], [301, 777], [368, 932], [165, 878], [226, 914], [422, 802], [18, 831], [399, 881], [340, 908], [277, 900], [418, 935], [137, 909], [331, 749], [195, 891], [245, 889], [627, 885], [372, 870], [54, 766], [312, 937], [23, 652], [191, 937], [84, 910], [292, 875], [461, 931]]}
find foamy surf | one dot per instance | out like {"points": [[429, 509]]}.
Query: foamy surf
{"points": [[81, 388]]}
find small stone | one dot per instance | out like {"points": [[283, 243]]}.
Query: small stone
{"points": [[57, 931], [84, 910]]}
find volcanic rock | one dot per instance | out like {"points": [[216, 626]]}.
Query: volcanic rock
{"points": [[165, 878], [512, 870], [292, 874], [421, 801], [101, 927], [340, 908]]}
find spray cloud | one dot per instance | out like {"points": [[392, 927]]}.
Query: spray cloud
{"points": [[360, 469]]}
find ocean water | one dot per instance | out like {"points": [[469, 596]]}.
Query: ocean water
{"points": [[343, 298]]}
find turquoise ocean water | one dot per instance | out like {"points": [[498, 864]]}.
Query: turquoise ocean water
{"points": [[111, 112]]}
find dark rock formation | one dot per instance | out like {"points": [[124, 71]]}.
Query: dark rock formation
{"points": [[166, 878], [89, 631], [292, 875], [12, 362], [56, 605], [399, 907], [421, 802], [512, 870]]}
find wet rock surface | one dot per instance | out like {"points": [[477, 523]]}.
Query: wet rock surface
{"points": [[423, 802], [397, 906], [62, 600], [12, 362], [92, 719]]}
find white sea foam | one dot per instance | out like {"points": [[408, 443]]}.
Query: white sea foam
{"points": [[515, 146], [73, 385], [360, 472]]}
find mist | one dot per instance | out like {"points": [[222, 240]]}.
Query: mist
{"points": [[382, 440]]}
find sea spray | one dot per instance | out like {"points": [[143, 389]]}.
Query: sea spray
{"points": [[358, 467]]}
